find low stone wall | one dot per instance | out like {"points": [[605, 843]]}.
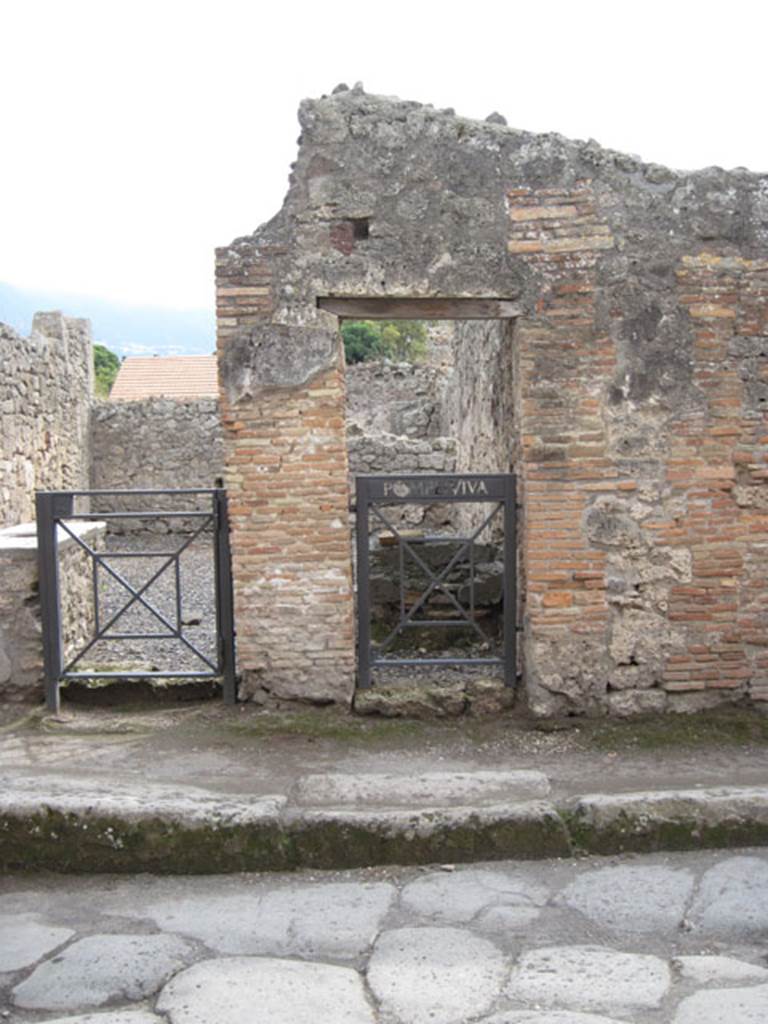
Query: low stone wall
{"points": [[45, 398], [392, 453], [396, 398], [154, 443], [21, 649]]}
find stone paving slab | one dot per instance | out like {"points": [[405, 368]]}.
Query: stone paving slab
{"points": [[429, 789], [548, 1017], [457, 898], [733, 896], [252, 990], [725, 1006], [335, 920], [419, 975], [102, 969], [118, 1017], [397, 945], [718, 970], [589, 978], [24, 940], [632, 899]]}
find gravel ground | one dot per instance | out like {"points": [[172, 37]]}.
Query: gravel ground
{"points": [[197, 604]]}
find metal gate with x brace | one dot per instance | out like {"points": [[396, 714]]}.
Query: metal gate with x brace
{"points": [[55, 510], [373, 494]]}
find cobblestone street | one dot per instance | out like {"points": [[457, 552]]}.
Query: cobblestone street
{"points": [[671, 939]]}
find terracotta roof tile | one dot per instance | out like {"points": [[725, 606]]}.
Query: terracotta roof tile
{"points": [[165, 376]]}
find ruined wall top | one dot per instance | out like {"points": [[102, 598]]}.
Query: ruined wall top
{"points": [[45, 415], [395, 198]]}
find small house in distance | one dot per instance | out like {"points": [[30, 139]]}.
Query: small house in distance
{"points": [[165, 376]]}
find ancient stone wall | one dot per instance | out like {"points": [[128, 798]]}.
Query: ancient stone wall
{"points": [[45, 397], [396, 398], [21, 649], [637, 396], [155, 443]]}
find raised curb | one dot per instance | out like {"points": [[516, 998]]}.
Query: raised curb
{"points": [[70, 827], [683, 819]]}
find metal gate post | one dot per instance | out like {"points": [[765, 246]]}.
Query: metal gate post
{"points": [[362, 501], [48, 582], [225, 618]]}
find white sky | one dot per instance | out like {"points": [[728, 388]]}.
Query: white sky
{"points": [[139, 134]]}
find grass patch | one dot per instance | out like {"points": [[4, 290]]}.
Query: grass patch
{"points": [[705, 729]]}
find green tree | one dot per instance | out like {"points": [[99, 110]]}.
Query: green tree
{"points": [[105, 365], [399, 340], [362, 340], [404, 341]]}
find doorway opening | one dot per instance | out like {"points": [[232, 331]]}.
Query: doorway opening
{"points": [[431, 397]]}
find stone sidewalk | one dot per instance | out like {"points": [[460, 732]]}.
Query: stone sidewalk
{"points": [[206, 790], [662, 939]]}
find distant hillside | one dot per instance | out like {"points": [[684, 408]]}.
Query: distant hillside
{"points": [[126, 330]]}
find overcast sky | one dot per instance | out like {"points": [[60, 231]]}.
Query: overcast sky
{"points": [[138, 135]]}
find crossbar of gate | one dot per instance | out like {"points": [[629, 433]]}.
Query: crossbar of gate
{"points": [[373, 492], [55, 508]]}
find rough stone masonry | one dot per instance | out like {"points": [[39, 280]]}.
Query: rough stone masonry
{"points": [[634, 403]]}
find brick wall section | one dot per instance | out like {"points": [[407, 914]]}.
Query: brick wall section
{"points": [[719, 464], [638, 395], [562, 371], [286, 475]]}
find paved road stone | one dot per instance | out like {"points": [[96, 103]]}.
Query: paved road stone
{"points": [[718, 970], [102, 969], [459, 896], [725, 1006], [254, 990], [23, 940], [632, 898], [589, 978], [733, 896], [548, 1017], [431, 975], [338, 920], [120, 1017]]}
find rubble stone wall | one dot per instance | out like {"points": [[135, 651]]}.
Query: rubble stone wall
{"points": [[21, 649], [45, 398], [637, 397], [396, 398], [155, 443]]}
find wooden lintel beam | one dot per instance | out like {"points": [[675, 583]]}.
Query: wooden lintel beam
{"points": [[360, 307]]}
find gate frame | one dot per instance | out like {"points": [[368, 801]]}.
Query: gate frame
{"points": [[500, 488], [54, 506]]}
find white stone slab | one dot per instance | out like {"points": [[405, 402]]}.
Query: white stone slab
{"points": [[725, 1006], [589, 978], [251, 990], [430, 789], [24, 940], [118, 1017], [430, 975], [733, 897], [718, 970], [458, 897], [337, 920], [101, 969], [548, 1017], [610, 897]]}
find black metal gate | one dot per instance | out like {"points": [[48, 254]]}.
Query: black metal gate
{"points": [[374, 495], [56, 515]]}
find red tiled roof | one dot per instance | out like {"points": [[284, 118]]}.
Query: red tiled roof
{"points": [[165, 376]]}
